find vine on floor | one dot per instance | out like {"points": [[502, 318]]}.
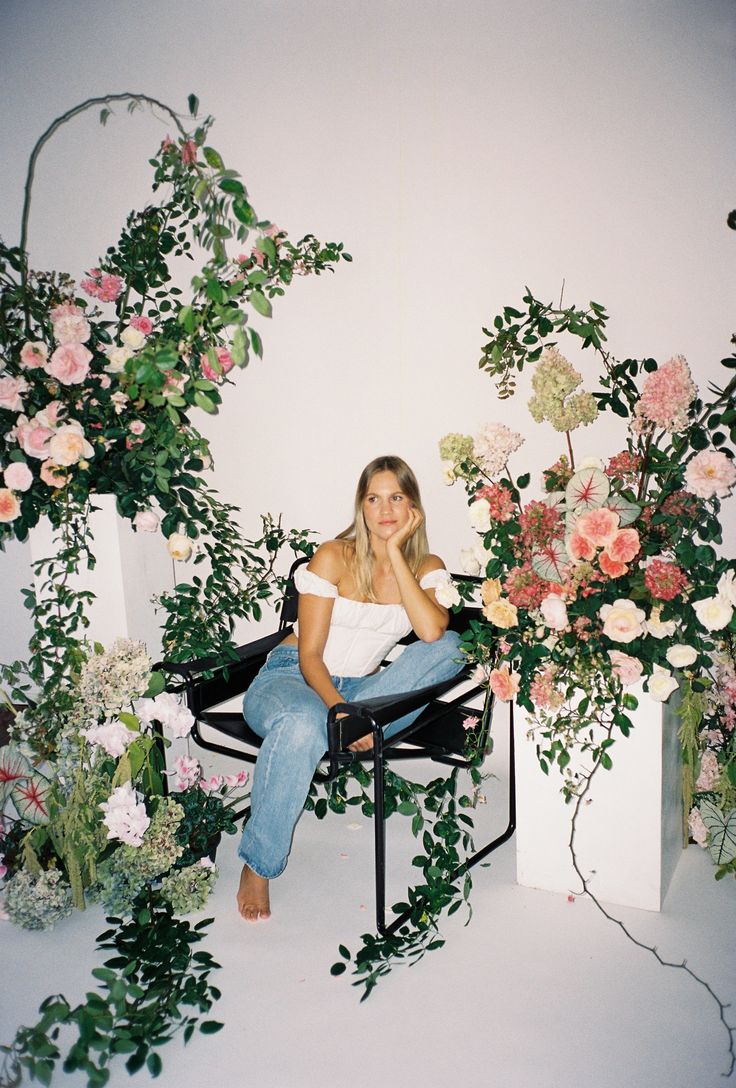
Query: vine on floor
{"points": [[153, 987]]}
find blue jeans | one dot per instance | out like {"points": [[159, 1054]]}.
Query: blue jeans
{"points": [[292, 719]]}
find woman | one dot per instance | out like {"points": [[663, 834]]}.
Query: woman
{"points": [[358, 596]]}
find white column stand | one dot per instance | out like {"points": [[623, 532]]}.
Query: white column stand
{"points": [[130, 568], [629, 837]]}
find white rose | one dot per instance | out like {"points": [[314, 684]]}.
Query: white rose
{"points": [[658, 628], [554, 610], [714, 613], [448, 472], [680, 655], [447, 594], [622, 620], [726, 588], [480, 515], [132, 338], [68, 445], [661, 684], [146, 521], [469, 561], [180, 546], [117, 357]]}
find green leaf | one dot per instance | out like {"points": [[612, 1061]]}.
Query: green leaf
{"points": [[210, 1027], [260, 303], [213, 158], [193, 103], [155, 1065], [203, 401], [337, 968]]}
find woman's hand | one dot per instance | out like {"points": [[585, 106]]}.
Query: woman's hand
{"points": [[406, 531]]}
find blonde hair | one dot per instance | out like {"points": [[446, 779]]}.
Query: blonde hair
{"points": [[359, 558]]}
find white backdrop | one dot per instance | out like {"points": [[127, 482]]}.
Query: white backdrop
{"points": [[459, 149]]}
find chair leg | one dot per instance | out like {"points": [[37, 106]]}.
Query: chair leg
{"points": [[379, 829]]}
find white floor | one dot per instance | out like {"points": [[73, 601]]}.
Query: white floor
{"points": [[536, 991]]}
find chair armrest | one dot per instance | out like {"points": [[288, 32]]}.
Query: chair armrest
{"points": [[259, 647]]}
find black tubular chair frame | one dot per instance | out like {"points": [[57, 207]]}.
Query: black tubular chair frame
{"points": [[437, 733]]}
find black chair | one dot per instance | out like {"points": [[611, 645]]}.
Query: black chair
{"points": [[437, 734]]}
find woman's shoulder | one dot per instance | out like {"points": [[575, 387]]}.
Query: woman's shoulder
{"points": [[430, 563], [330, 560]]}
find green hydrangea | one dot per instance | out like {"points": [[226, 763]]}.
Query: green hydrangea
{"points": [[37, 902], [121, 877], [456, 447], [553, 382], [188, 889]]}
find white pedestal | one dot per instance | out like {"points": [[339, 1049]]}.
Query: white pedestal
{"points": [[130, 568], [629, 838]]}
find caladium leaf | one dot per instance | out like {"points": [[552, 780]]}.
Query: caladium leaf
{"points": [[722, 828], [587, 490], [30, 798], [627, 511], [555, 499], [552, 561], [14, 767]]}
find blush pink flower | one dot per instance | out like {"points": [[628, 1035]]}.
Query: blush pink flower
{"points": [[542, 690], [188, 772], [11, 390], [710, 772], [67, 309], [223, 358], [612, 567], [627, 668], [137, 427], [18, 476], [503, 683], [69, 364], [697, 828], [143, 324], [9, 505], [666, 396], [104, 286], [146, 521], [598, 526], [500, 502], [49, 417], [710, 474], [71, 329], [33, 354], [52, 474], [33, 438], [68, 445], [189, 152], [554, 610], [579, 547], [624, 546]]}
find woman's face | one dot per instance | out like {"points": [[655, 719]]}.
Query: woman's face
{"points": [[385, 507]]}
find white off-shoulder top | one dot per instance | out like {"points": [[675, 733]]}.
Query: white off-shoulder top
{"points": [[361, 632]]}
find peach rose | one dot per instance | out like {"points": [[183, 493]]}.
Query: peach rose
{"points": [[18, 476], [69, 364], [501, 613], [490, 590], [33, 354], [598, 527], [579, 547], [624, 546], [622, 620], [9, 505], [52, 475], [610, 566], [503, 683], [68, 445]]}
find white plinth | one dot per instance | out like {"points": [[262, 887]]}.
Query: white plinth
{"points": [[130, 568], [630, 837]]}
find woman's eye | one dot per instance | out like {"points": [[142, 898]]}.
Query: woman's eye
{"points": [[398, 498]]}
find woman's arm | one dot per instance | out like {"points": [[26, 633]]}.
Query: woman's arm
{"points": [[315, 614], [428, 618]]}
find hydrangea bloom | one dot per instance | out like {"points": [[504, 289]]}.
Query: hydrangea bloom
{"points": [[665, 580], [37, 902], [188, 889], [111, 680], [666, 397], [493, 445], [114, 737], [456, 447], [553, 382]]}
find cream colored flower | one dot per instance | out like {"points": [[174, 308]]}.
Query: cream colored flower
{"points": [[117, 358], [658, 628], [132, 338], [714, 613], [68, 445], [622, 620], [661, 684], [480, 515], [680, 655], [501, 613], [447, 594], [180, 546], [490, 590]]}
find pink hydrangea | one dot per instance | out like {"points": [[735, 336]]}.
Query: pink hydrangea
{"points": [[542, 690], [698, 830], [500, 502], [493, 445], [710, 474], [665, 580], [666, 397], [623, 464], [540, 524], [710, 772], [223, 358]]}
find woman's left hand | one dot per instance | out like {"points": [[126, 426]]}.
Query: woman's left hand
{"points": [[407, 530]]}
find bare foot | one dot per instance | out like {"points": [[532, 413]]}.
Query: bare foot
{"points": [[253, 901]]}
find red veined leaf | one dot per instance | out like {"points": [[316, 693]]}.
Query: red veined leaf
{"points": [[627, 511], [30, 798], [13, 768], [552, 561], [588, 489]]}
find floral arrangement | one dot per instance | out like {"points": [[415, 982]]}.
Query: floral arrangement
{"points": [[609, 578]]}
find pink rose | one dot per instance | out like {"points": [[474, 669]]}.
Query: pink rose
{"points": [[579, 547], [9, 505], [143, 324], [18, 476], [146, 521], [622, 620], [598, 527], [69, 364], [710, 474], [67, 309], [504, 684], [624, 546], [137, 426], [10, 393], [49, 417], [71, 329], [627, 668], [52, 475], [33, 354], [554, 610], [223, 358], [33, 438], [612, 567]]}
